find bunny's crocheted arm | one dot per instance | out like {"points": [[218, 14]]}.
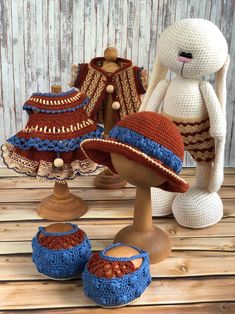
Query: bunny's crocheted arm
{"points": [[218, 132], [216, 115], [157, 96]]}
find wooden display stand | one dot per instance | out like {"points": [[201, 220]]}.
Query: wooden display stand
{"points": [[107, 179], [142, 233], [58, 227], [61, 205]]}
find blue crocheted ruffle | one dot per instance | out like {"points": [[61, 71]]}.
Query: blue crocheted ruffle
{"points": [[118, 291], [64, 263], [53, 145], [147, 146], [30, 107]]}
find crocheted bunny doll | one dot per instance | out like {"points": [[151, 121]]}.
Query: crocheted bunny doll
{"points": [[193, 48]]}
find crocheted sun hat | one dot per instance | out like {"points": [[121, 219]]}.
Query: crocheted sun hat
{"points": [[115, 281], [61, 255], [49, 145], [147, 138]]}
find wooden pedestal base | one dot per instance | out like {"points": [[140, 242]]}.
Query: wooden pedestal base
{"points": [[109, 180], [61, 205], [154, 241], [142, 233]]}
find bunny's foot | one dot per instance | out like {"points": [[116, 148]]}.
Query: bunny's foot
{"points": [[162, 202], [197, 208]]}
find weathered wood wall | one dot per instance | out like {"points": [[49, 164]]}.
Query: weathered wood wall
{"points": [[39, 39]]}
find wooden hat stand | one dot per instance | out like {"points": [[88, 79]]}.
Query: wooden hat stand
{"points": [[142, 233], [61, 205], [107, 179]]}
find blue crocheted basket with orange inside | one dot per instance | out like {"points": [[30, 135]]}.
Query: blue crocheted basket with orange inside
{"points": [[61, 255], [118, 291]]}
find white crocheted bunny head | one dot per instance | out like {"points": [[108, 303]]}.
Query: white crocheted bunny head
{"points": [[192, 48]]}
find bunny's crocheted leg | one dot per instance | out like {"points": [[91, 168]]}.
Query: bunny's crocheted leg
{"points": [[161, 202], [203, 173], [198, 208]]}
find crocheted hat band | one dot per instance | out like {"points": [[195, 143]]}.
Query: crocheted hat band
{"points": [[147, 146]]}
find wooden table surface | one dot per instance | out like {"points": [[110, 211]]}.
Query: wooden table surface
{"points": [[198, 277]]}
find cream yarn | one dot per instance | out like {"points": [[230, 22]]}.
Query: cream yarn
{"points": [[188, 100], [197, 208], [161, 202]]}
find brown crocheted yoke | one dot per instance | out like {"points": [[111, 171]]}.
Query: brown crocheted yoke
{"points": [[56, 102]]}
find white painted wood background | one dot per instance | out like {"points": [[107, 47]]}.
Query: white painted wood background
{"points": [[40, 39]]}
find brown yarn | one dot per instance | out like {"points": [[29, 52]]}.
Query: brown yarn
{"points": [[107, 269], [61, 242]]}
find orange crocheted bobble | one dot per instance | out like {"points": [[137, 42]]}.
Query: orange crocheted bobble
{"points": [[107, 269], [61, 242]]}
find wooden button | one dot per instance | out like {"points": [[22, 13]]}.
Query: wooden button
{"points": [[110, 89], [58, 162], [116, 105]]}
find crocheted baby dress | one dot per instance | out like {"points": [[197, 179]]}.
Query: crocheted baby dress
{"points": [[49, 145], [61, 255], [114, 281]]}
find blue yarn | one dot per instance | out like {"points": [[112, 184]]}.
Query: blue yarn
{"points": [[53, 145], [118, 291], [121, 259], [147, 146], [30, 107], [63, 263], [55, 234], [68, 92]]}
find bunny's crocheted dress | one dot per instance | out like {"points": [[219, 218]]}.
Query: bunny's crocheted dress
{"points": [[56, 126]]}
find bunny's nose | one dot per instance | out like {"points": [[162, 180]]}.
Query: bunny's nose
{"points": [[185, 57]]}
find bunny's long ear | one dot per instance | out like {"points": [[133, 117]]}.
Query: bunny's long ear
{"points": [[220, 84], [158, 73]]}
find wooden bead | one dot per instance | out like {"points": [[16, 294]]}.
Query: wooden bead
{"points": [[58, 227], [56, 89], [110, 89], [58, 162], [110, 54], [116, 105]]}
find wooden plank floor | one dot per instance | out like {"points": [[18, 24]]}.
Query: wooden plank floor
{"points": [[198, 277]]}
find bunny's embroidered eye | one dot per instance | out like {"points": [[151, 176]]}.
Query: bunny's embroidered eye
{"points": [[185, 57]]}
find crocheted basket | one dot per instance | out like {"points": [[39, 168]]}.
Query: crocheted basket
{"points": [[119, 291], [61, 255], [147, 138]]}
